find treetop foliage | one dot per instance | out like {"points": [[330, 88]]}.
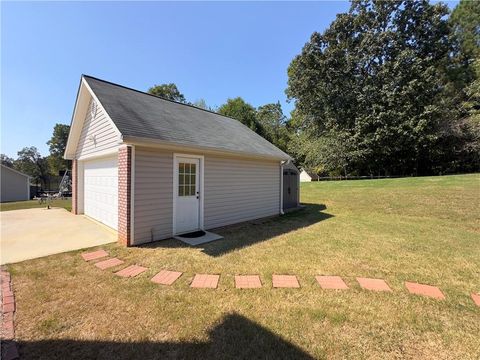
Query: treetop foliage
{"points": [[167, 91], [380, 77]]}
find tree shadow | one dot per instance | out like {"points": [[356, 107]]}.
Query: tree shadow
{"points": [[235, 337], [250, 233]]}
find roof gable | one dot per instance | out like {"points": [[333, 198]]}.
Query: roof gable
{"points": [[13, 170], [84, 97], [139, 115]]}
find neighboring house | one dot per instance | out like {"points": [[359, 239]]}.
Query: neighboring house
{"points": [[306, 175], [15, 185], [152, 168]]}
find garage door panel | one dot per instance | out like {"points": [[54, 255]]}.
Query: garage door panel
{"points": [[101, 190]]}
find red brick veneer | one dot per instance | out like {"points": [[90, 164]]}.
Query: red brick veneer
{"points": [[124, 192], [74, 187]]}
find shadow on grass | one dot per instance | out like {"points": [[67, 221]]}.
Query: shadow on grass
{"points": [[253, 232], [236, 337]]}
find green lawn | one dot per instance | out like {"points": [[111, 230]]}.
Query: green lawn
{"points": [[30, 204], [416, 229]]}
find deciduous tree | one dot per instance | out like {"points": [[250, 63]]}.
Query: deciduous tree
{"points": [[57, 145], [167, 91]]}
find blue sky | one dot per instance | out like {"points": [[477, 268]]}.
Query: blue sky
{"points": [[210, 50]]}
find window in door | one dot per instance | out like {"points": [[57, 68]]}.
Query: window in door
{"points": [[186, 179]]}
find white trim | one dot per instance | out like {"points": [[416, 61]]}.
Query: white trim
{"points": [[281, 188], [298, 188], [201, 159], [132, 197], [99, 154], [162, 144]]}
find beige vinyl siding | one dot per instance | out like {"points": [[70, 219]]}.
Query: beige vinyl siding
{"points": [[238, 189], [153, 202], [15, 186], [106, 136]]}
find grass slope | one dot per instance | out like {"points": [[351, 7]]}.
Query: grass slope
{"points": [[30, 204], [416, 229]]}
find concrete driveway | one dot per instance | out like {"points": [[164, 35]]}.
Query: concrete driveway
{"points": [[33, 233]]}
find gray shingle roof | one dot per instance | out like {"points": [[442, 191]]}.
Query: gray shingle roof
{"points": [[138, 114]]}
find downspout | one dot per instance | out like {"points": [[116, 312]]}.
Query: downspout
{"points": [[281, 186]]}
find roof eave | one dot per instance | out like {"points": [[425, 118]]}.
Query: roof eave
{"points": [[149, 142]]}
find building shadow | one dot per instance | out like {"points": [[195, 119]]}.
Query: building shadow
{"points": [[253, 232], [235, 337]]}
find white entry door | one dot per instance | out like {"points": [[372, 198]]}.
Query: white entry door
{"points": [[187, 194], [101, 190]]}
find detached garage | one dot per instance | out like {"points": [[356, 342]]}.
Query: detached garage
{"points": [[151, 168]]}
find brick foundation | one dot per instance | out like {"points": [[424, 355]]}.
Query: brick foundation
{"points": [[124, 192], [75, 187]]}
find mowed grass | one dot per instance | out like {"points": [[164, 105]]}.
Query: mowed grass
{"points": [[417, 229], [30, 204]]}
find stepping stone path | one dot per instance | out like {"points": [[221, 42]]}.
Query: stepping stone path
{"points": [[247, 281], [373, 284], [476, 299], [94, 255], [7, 331], [131, 271], [105, 264], [425, 290], [285, 281], [331, 282], [166, 277], [205, 281]]}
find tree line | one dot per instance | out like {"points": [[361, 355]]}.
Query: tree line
{"points": [[390, 88]]}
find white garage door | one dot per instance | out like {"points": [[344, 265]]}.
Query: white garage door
{"points": [[101, 190]]}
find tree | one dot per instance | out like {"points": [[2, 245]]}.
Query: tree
{"points": [[30, 162], [167, 91], [378, 77], [202, 104], [271, 118], [465, 20], [57, 145], [6, 161], [238, 109]]}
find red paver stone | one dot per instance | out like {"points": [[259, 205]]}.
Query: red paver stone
{"points": [[7, 293], [425, 290], [166, 277], [105, 264], [285, 281], [94, 255], [8, 299], [476, 298], [373, 284], [7, 316], [131, 271], [8, 307], [247, 281], [205, 281], [331, 282], [7, 333]]}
